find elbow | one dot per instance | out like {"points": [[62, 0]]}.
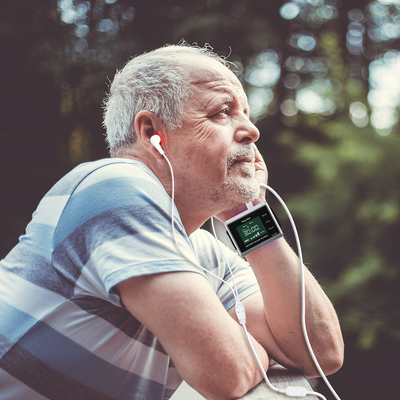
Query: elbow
{"points": [[335, 361], [234, 390], [231, 388], [335, 356], [244, 382], [330, 361], [329, 366], [234, 383], [246, 375], [237, 390]]}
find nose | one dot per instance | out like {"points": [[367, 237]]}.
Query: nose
{"points": [[247, 132]]}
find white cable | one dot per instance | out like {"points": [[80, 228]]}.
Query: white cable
{"points": [[259, 362], [235, 292], [290, 391], [303, 299], [173, 230]]}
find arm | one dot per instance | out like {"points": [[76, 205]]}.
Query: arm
{"points": [[206, 345], [274, 315]]}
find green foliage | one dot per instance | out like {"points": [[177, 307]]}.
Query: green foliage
{"points": [[350, 218]]}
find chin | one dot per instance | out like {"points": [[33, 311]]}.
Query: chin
{"points": [[241, 191]]}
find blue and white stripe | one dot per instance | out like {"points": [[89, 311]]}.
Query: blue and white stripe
{"points": [[63, 331]]}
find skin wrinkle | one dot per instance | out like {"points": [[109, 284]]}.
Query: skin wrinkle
{"points": [[247, 192], [218, 92], [243, 153], [217, 168]]}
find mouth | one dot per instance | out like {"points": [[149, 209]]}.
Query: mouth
{"points": [[243, 167], [243, 157], [244, 160], [240, 163]]}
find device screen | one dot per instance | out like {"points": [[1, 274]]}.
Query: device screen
{"points": [[253, 229]]}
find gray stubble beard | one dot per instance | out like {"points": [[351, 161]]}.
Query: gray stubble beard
{"points": [[233, 190], [239, 192]]}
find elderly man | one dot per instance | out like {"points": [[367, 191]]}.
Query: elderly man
{"points": [[97, 302]]}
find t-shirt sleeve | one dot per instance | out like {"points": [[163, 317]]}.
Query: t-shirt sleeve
{"points": [[238, 272], [117, 225]]}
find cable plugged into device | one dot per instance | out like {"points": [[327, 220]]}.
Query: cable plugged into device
{"points": [[290, 391]]}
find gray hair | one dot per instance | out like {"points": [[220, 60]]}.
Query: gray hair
{"points": [[157, 82]]}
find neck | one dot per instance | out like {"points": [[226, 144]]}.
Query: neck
{"points": [[193, 210], [193, 213]]}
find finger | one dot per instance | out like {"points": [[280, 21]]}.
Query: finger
{"points": [[259, 160]]}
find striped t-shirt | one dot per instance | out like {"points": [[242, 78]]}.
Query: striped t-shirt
{"points": [[64, 334]]}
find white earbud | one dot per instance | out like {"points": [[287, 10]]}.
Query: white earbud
{"points": [[155, 141]]}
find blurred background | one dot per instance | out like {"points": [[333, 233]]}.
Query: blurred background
{"points": [[323, 81]]}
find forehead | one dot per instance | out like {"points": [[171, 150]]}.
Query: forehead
{"points": [[210, 77]]}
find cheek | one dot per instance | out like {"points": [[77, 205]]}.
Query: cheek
{"points": [[216, 160], [210, 147]]}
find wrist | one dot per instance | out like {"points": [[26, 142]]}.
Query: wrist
{"points": [[253, 229], [237, 209], [274, 246], [228, 214]]}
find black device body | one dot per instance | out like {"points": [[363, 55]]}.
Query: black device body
{"points": [[253, 229]]}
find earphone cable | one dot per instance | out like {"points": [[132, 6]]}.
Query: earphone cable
{"points": [[303, 300], [174, 233], [298, 391], [290, 391]]}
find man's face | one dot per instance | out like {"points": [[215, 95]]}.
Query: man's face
{"points": [[213, 150]]}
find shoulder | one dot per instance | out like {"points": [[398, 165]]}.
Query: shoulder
{"points": [[207, 248], [201, 238], [93, 174], [117, 180], [110, 193], [114, 170]]}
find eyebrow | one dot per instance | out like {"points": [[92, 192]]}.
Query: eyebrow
{"points": [[229, 99]]}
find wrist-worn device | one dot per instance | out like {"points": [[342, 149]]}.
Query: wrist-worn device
{"points": [[253, 229]]}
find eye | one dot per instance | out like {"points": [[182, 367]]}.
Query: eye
{"points": [[222, 113]]}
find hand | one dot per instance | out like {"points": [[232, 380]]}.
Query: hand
{"points": [[261, 172], [261, 176]]}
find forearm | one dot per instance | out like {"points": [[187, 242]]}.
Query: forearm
{"points": [[207, 346], [278, 272], [236, 374]]}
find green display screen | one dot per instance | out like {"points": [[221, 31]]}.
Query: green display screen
{"points": [[251, 230]]}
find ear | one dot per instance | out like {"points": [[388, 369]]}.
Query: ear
{"points": [[146, 125]]}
